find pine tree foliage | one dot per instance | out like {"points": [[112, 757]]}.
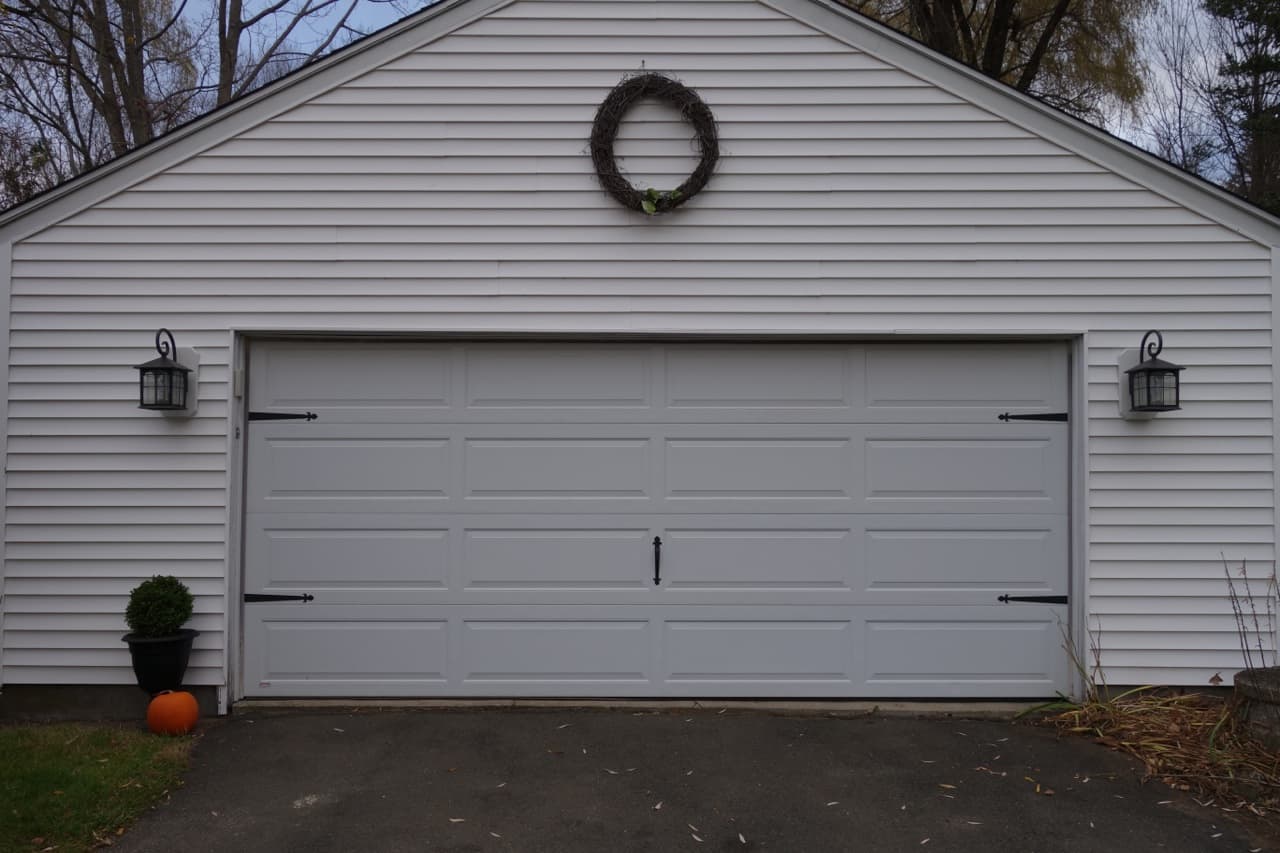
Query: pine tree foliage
{"points": [[1245, 99]]}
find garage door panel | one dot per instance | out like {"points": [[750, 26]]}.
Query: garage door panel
{"points": [[335, 556], [751, 652], [561, 650], [776, 562], [354, 383], [530, 558], [963, 381], [932, 560], [579, 652], [564, 376], [558, 468], [749, 377], [759, 468], [966, 652], [335, 651], [296, 470], [966, 473]]}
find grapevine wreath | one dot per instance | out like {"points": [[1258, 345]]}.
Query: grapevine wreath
{"points": [[604, 132]]}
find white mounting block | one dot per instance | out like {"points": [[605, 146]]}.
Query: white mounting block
{"points": [[189, 358]]}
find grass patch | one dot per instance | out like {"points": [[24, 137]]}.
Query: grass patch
{"points": [[1190, 741], [70, 786]]}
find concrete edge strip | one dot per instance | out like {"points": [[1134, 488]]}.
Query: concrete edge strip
{"points": [[954, 710]]}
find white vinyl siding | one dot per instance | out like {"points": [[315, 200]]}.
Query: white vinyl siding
{"points": [[451, 189]]}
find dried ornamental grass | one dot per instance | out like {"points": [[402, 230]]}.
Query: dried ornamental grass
{"points": [[1189, 741]]}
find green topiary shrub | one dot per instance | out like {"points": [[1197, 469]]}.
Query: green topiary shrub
{"points": [[159, 606]]}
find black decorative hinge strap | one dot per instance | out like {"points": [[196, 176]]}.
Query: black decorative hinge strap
{"points": [[258, 596], [1034, 599], [1061, 417], [282, 416], [657, 560]]}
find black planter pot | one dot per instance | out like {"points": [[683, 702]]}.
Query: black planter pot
{"points": [[160, 662]]}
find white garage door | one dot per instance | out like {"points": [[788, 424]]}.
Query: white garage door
{"points": [[479, 519]]}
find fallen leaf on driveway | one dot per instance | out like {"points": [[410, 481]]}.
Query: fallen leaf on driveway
{"points": [[696, 838], [658, 806], [565, 726], [611, 772], [945, 785], [837, 802], [457, 820], [924, 842], [495, 835], [502, 784], [692, 827], [336, 729], [742, 838]]}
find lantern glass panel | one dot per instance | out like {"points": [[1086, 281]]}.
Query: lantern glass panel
{"points": [[148, 388], [163, 388], [1168, 388], [1155, 390]]}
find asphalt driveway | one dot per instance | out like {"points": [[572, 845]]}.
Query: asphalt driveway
{"points": [[565, 781]]}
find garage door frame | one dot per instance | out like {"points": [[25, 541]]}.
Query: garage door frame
{"points": [[243, 338]]}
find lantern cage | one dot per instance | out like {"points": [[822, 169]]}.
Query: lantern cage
{"points": [[1154, 385], [163, 383]]}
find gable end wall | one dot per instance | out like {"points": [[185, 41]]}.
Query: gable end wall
{"points": [[450, 189]]}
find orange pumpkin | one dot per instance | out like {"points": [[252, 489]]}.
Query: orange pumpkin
{"points": [[172, 713]]}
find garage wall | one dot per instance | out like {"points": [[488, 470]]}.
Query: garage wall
{"points": [[450, 189]]}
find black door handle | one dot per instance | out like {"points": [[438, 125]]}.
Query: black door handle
{"points": [[1034, 599], [252, 597], [657, 560]]}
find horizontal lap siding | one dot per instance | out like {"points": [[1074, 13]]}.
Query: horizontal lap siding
{"points": [[451, 189]]}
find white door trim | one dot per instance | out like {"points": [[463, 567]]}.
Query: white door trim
{"points": [[242, 338]]}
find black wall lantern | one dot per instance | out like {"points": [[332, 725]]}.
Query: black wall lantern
{"points": [[1153, 383], [163, 384]]}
